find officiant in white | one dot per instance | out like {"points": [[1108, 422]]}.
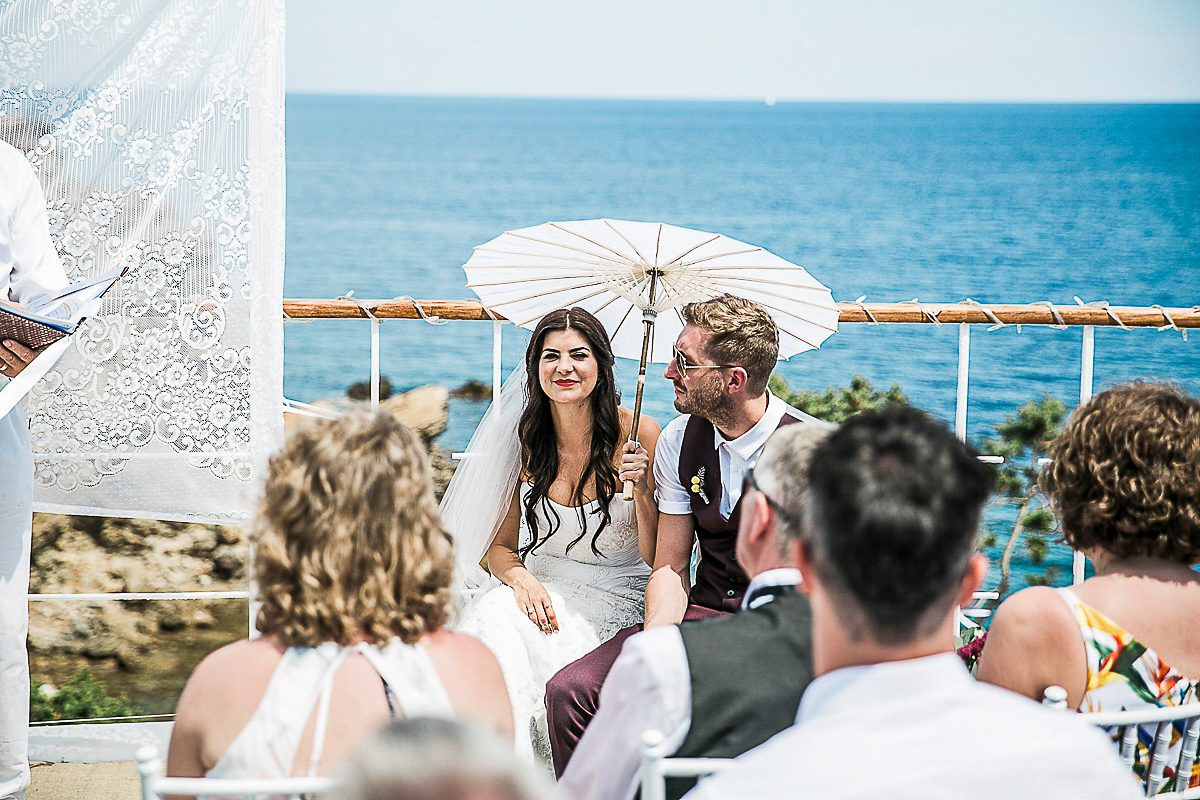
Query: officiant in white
{"points": [[29, 268]]}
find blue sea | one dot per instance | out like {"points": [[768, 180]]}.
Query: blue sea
{"points": [[386, 196]]}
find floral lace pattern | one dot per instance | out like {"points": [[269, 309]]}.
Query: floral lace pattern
{"points": [[593, 597], [156, 130]]}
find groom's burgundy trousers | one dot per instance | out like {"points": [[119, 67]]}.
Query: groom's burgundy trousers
{"points": [[573, 694]]}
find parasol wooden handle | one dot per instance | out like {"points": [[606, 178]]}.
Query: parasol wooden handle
{"points": [[648, 316]]}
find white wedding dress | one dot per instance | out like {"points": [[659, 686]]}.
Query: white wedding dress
{"points": [[593, 598]]}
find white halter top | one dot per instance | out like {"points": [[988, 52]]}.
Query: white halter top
{"points": [[266, 747]]}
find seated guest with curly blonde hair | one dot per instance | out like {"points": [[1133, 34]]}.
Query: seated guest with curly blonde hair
{"points": [[1125, 483], [353, 570]]}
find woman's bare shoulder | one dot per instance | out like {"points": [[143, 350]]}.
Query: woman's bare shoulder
{"points": [[1036, 613], [248, 660], [452, 644], [647, 425], [1033, 642]]}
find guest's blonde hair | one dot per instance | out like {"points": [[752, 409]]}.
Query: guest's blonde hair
{"points": [[348, 542], [742, 334]]}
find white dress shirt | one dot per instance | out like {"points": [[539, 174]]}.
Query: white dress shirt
{"points": [[29, 265], [649, 686], [923, 728], [737, 456]]}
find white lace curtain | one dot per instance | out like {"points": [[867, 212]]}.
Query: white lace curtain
{"points": [[156, 128]]}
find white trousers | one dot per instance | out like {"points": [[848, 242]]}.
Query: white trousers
{"points": [[16, 530]]}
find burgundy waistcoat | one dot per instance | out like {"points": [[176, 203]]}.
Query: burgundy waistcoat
{"points": [[720, 582]]}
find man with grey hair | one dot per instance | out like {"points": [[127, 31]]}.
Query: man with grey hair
{"points": [[433, 758], [721, 686]]}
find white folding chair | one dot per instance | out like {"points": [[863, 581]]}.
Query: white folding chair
{"points": [[656, 767], [980, 608], [155, 786], [1152, 739]]}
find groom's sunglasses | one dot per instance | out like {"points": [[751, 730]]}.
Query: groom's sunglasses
{"points": [[681, 363]]}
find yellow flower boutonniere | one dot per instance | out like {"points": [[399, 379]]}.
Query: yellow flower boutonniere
{"points": [[698, 485]]}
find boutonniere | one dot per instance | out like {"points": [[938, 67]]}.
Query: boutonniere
{"points": [[698, 485]]}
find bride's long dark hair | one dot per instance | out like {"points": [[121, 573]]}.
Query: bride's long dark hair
{"points": [[539, 442]]}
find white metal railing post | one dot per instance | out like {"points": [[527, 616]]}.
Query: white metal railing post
{"points": [[375, 322], [964, 377], [1086, 374], [497, 330], [1086, 368]]}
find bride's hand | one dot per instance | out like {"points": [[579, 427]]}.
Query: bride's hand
{"points": [[635, 465], [534, 602]]}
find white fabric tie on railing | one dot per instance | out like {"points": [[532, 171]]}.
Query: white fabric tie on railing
{"points": [[997, 323], [432, 320], [932, 316], [1107, 310], [1059, 324], [360, 303], [1171, 322], [866, 311], [291, 406]]}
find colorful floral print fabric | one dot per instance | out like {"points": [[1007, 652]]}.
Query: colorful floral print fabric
{"points": [[1124, 674]]}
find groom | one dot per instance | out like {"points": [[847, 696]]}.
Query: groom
{"points": [[723, 358]]}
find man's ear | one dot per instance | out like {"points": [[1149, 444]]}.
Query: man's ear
{"points": [[762, 520], [736, 380], [976, 571], [795, 555], [801, 553]]}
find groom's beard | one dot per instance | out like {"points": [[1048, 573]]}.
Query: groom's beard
{"points": [[705, 398]]}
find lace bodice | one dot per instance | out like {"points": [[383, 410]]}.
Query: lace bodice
{"points": [[619, 565], [617, 542]]}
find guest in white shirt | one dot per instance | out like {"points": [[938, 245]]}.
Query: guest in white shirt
{"points": [[887, 552], [749, 669]]}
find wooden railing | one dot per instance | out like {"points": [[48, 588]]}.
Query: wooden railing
{"points": [[913, 312]]}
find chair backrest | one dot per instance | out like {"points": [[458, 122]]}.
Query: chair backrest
{"points": [[656, 767], [155, 786], [1158, 744]]}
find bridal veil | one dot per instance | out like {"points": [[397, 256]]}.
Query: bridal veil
{"points": [[481, 490]]}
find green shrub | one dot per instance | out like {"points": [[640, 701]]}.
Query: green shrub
{"points": [[836, 405], [82, 696]]}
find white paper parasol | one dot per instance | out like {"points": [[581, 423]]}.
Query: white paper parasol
{"points": [[634, 276]]}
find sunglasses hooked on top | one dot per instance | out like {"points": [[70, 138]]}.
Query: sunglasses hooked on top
{"points": [[750, 481]]}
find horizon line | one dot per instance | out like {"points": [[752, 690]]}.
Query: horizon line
{"points": [[765, 100]]}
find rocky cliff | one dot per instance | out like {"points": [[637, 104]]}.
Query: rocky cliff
{"points": [[146, 649]]}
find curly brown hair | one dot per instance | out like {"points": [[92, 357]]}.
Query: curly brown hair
{"points": [[348, 541], [1125, 474]]}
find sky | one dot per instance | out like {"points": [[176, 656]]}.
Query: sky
{"points": [[840, 50]]}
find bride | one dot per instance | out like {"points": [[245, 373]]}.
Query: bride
{"points": [[541, 495]]}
